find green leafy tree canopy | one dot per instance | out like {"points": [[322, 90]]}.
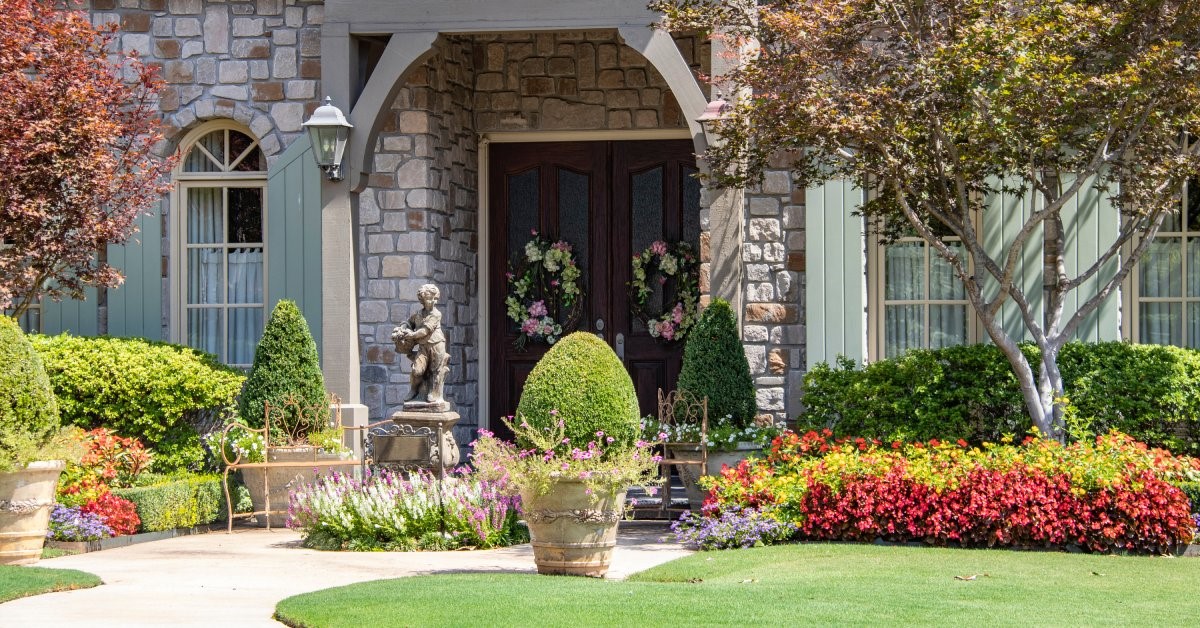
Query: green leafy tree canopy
{"points": [[938, 105]]}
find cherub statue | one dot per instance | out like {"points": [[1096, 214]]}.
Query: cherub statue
{"points": [[422, 340]]}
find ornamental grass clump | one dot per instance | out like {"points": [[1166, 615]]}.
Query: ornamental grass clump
{"points": [[577, 420], [1113, 494], [385, 511]]}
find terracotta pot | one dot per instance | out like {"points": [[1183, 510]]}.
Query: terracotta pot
{"points": [[26, 499], [571, 534], [303, 466], [716, 460]]}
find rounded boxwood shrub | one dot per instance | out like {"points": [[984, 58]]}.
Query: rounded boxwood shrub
{"points": [[140, 389], [583, 382], [714, 365], [286, 367], [1150, 392], [29, 414]]}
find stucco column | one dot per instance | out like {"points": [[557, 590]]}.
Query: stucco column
{"points": [[726, 212]]}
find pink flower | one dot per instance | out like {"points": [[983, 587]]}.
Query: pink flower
{"points": [[538, 309], [658, 247], [533, 232], [554, 283], [662, 280], [509, 276], [677, 313], [529, 327]]}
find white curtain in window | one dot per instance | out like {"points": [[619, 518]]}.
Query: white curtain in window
{"points": [[904, 280], [1161, 277], [245, 286]]}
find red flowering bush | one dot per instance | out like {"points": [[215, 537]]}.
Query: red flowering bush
{"points": [[110, 461], [1113, 494], [117, 513]]}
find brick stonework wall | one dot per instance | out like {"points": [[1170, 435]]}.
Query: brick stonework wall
{"points": [[257, 62], [418, 224], [773, 325]]}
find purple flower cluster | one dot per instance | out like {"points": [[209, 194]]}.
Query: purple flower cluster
{"points": [[1196, 520], [735, 527], [69, 524]]}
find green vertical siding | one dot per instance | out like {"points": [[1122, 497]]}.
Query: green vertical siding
{"points": [[1003, 218], [1090, 224], [135, 308], [70, 316], [835, 318], [294, 232]]}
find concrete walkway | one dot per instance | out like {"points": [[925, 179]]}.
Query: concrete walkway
{"points": [[220, 579]]}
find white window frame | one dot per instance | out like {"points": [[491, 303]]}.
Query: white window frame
{"points": [[179, 247], [877, 304], [1132, 301]]}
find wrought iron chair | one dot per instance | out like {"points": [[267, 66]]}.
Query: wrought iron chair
{"points": [[273, 413], [690, 458]]}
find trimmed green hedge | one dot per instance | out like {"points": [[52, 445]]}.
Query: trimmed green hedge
{"points": [[581, 380], [715, 366], [182, 503], [286, 367], [138, 388], [1150, 392]]}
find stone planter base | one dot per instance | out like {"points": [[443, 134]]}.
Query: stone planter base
{"points": [[572, 535], [716, 460], [26, 498], [297, 465]]}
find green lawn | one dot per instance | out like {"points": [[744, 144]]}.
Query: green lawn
{"points": [[16, 581], [789, 585]]}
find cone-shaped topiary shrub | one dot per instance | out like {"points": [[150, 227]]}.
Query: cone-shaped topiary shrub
{"points": [[285, 366], [585, 384], [28, 409], [714, 365]]}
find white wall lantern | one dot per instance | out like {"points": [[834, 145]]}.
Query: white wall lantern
{"points": [[329, 131]]}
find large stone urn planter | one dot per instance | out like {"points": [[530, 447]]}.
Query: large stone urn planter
{"points": [[690, 473], [296, 465], [573, 534], [26, 499]]}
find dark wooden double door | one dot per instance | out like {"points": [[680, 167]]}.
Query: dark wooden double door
{"points": [[609, 200]]}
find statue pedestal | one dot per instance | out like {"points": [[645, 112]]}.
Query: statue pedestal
{"points": [[424, 432]]}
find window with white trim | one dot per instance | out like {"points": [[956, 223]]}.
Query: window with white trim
{"points": [[221, 223], [1166, 286], [915, 300]]}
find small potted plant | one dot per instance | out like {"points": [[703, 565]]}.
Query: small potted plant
{"points": [[34, 448], [576, 452], [284, 414]]}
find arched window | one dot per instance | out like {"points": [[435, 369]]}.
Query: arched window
{"points": [[218, 229]]}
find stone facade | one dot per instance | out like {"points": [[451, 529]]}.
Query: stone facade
{"points": [[774, 264], [418, 220], [258, 62], [253, 61]]}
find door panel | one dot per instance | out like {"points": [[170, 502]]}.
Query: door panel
{"points": [[609, 200]]}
